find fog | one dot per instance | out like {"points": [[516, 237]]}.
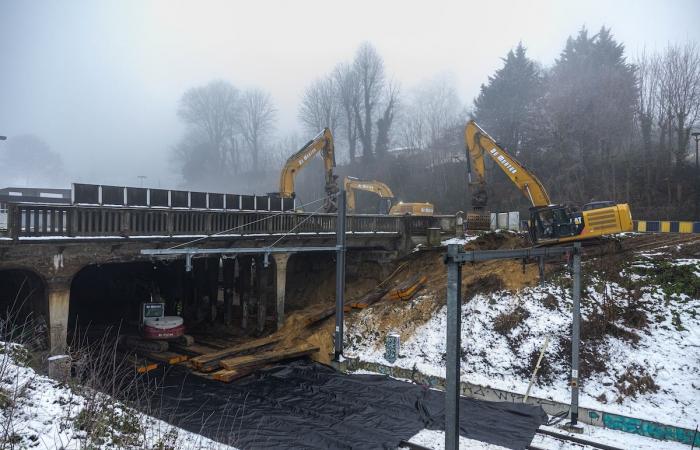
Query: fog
{"points": [[100, 81]]}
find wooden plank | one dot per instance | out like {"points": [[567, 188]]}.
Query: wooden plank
{"points": [[192, 350], [408, 289], [203, 360], [226, 375], [141, 365], [167, 357], [267, 357]]}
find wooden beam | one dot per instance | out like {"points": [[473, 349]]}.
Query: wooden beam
{"points": [[267, 357], [202, 360]]}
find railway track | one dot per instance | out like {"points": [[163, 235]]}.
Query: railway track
{"points": [[646, 242], [660, 241], [550, 438], [576, 441]]}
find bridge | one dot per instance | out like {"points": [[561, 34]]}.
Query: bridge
{"points": [[56, 248]]}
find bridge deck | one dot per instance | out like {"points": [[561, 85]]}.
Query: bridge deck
{"points": [[46, 221]]}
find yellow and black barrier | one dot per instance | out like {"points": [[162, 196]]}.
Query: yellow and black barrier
{"points": [[666, 226]]}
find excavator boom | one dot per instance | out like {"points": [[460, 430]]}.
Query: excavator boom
{"points": [[322, 143], [352, 184], [479, 145]]}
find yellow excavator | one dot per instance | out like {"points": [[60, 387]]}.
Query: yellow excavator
{"points": [[353, 184], [322, 143], [549, 223]]}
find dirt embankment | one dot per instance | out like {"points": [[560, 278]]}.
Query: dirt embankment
{"points": [[406, 316]]}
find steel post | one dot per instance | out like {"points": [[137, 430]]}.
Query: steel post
{"points": [[575, 333], [454, 331], [340, 274]]}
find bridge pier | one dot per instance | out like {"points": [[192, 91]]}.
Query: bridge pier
{"points": [[244, 283], [228, 280], [260, 292], [58, 301], [280, 284]]}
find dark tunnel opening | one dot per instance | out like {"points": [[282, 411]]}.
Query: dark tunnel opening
{"points": [[23, 308]]}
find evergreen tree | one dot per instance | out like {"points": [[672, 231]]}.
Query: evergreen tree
{"points": [[506, 101], [591, 101]]}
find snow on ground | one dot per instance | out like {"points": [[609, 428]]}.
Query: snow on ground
{"points": [[38, 412], [644, 364], [435, 439], [460, 241]]}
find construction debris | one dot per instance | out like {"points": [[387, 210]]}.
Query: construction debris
{"points": [[407, 289], [267, 357]]}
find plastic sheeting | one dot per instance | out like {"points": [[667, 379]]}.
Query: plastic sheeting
{"points": [[308, 405]]}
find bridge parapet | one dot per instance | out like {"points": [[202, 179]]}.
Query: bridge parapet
{"points": [[46, 220]]}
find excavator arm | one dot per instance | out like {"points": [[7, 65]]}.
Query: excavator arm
{"points": [[479, 145], [352, 184], [322, 143], [549, 223]]}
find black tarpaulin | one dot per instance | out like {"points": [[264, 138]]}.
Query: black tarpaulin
{"points": [[308, 405]]}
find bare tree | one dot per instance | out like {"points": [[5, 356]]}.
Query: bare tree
{"points": [[211, 109], [649, 81], [256, 121], [28, 160], [320, 107], [680, 87], [211, 114], [369, 69], [348, 94], [385, 122], [433, 107]]}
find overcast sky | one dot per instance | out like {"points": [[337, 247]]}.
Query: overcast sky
{"points": [[100, 80]]}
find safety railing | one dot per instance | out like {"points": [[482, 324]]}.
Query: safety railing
{"points": [[45, 220], [666, 226]]}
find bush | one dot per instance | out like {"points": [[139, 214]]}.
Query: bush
{"points": [[505, 322]]}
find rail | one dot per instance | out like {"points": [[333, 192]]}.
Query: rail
{"points": [[46, 220]]}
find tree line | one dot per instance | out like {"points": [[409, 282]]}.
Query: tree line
{"points": [[596, 125]]}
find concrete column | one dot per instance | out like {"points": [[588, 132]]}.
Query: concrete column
{"points": [[280, 284], [228, 280], [245, 285], [212, 288], [58, 299], [260, 292]]}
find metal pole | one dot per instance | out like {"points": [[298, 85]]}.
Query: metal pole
{"points": [[454, 331], [340, 274], [575, 333]]}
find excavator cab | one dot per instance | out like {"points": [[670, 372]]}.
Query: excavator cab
{"points": [[554, 222]]}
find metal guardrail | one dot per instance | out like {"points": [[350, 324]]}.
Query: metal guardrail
{"points": [[33, 220], [126, 196], [666, 226]]}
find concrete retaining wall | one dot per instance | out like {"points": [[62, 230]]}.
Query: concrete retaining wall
{"points": [[586, 415]]}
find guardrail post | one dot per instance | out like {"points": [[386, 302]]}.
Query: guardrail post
{"points": [[72, 219], [575, 334], [126, 217], [454, 335], [14, 221]]}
